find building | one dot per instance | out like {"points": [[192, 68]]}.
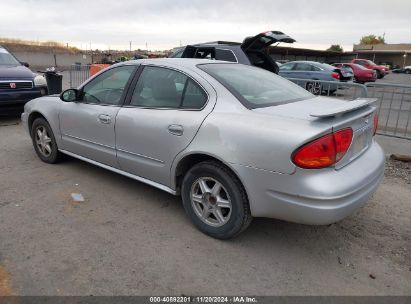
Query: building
{"points": [[391, 54]]}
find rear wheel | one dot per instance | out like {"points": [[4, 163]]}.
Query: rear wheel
{"points": [[314, 87], [407, 71], [215, 200], [44, 141]]}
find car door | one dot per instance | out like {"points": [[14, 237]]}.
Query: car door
{"points": [[87, 125], [286, 70], [302, 70], [163, 114]]}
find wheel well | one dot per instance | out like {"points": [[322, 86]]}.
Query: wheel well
{"points": [[189, 161], [33, 116]]}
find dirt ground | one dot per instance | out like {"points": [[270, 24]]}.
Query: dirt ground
{"points": [[127, 238]]}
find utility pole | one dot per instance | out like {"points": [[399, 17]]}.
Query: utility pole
{"points": [[130, 46]]}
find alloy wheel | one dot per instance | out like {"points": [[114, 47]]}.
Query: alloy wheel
{"points": [[43, 141], [211, 201]]}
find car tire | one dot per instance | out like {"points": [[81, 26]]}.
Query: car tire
{"points": [[379, 74], [215, 200], [407, 71], [314, 87], [44, 141]]}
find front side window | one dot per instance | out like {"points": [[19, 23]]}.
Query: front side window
{"points": [[286, 66], [165, 88], [107, 88], [255, 87]]}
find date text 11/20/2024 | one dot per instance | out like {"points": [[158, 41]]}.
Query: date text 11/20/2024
{"points": [[203, 299]]}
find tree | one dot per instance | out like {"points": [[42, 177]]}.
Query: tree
{"points": [[372, 39], [335, 48]]}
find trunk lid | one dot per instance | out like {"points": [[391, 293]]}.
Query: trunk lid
{"points": [[330, 114], [263, 40]]}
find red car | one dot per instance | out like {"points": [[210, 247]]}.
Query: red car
{"points": [[379, 69], [361, 74]]}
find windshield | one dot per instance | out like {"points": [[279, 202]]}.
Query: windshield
{"points": [[7, 59], [255, 87]]}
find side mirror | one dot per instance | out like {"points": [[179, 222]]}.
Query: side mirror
{"points": [[25, 64], [69, 95]]}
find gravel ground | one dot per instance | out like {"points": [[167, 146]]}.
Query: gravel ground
{"points": [[400, 169], [127, 238]]}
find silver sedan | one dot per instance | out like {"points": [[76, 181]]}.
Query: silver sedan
{"points": [[235, 141]]}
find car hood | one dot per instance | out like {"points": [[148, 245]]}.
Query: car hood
{"points": [[13, 72]]}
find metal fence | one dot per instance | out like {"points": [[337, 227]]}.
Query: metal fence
{"points": [[394, 108], [78, 74], [394, 101], [343, 90]]}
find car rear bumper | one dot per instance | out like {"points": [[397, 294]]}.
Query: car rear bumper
{"points": [[315, 197]]}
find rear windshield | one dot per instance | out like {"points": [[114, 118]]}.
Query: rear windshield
{"points": [[7, 59], [255, 87]]}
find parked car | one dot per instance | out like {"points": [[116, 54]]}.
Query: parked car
{"points": [[379, 69], [361, 74], [253, 51], [312, 70], [18, 84], [235, 141], [405, 70]]}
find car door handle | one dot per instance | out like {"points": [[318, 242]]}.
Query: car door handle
{"points": [[176, 129], [105, 119]]}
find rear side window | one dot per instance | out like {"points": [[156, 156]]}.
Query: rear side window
{"points": [[159, 87], [303, 67], [225, 55]]}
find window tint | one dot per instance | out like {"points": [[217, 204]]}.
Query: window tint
{"points": [[286, 66], [6, 58], [108, 87], [255, 87], [165, 88], [194, 97], [225, 55], [303, 67], [205, 53]]}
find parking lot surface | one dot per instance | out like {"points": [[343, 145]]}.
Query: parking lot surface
{"points": [[127, 238]]}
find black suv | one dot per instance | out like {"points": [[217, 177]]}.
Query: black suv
{"points": [[18, 84], [253, 50]]}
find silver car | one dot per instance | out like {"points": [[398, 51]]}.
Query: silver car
{"points": [[234, 141]]}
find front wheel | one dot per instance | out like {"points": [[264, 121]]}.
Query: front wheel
{"points": [[379, 74], [215, 200], [44, 141]]}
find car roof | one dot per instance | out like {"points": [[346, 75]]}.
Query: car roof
{"points": [[182, 62]]}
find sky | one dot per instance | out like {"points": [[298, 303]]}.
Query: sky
{"points": [[164, 24]]}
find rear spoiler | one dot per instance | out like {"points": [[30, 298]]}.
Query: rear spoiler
{"points": [[341, 109]]}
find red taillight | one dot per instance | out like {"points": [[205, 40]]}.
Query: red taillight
{"points": [[375, 122], [324, 151], [335, 75]]}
